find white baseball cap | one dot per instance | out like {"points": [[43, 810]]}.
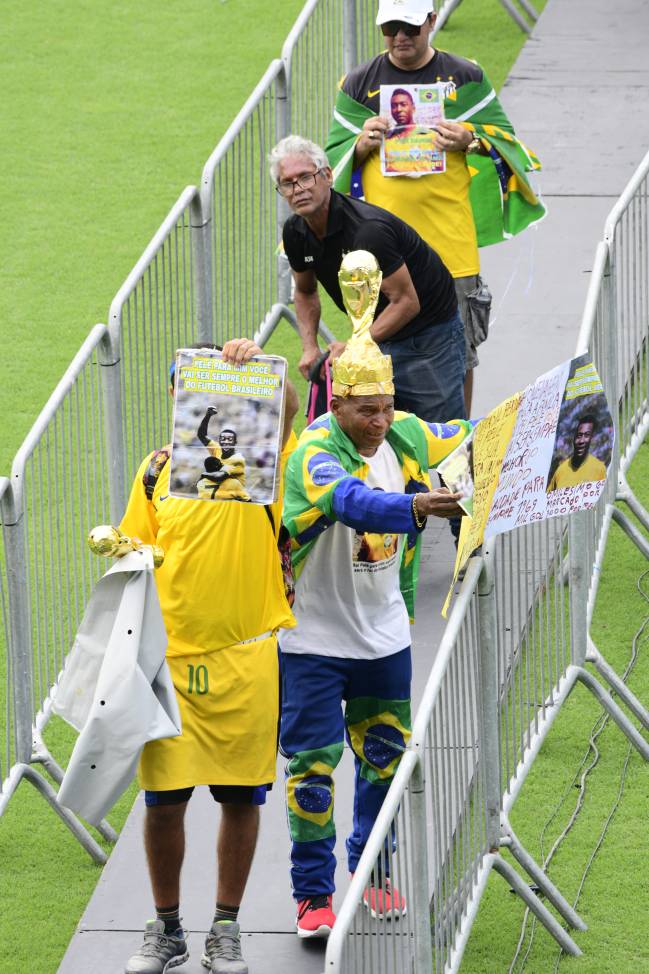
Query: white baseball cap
{"points": [[409, 11]]}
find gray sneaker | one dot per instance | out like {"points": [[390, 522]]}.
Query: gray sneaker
{"points": [[159, 952], [223, 950]]}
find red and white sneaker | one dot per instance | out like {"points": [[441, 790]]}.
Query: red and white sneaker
{"points": [[315, 918], [384, 901]]}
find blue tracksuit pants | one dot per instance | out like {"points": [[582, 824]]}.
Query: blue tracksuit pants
{"points": [[375, 722]]}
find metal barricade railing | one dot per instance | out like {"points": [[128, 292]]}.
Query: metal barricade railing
{"points": [[431, 836], [369, 41], [161, 306], [627, 237], [242, 211], [8, 752], [58, 489], [533, 638], [316, 56], [454, 827], [209, 273], [615, 330], [536, 592]]}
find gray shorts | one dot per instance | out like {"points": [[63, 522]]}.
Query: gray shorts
{"points": [[475, 325]]}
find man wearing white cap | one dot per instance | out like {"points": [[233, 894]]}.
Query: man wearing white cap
{"points": [[479, 199]]}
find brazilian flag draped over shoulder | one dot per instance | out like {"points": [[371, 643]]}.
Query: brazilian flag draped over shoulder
{"points": [[502, 199]]}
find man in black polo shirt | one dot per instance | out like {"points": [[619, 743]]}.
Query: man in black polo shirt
{"points": [[417, 321]]}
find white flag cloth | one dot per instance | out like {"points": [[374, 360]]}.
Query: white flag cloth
{"points": [[116, 688]]}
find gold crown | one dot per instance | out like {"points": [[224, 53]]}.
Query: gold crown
{"points": [[362, 369]]}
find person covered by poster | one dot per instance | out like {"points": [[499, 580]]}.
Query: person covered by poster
{"points": [[581, 466], [225, 468], [222, 656]]}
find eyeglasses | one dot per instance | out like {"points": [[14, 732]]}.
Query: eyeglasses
{"points": [[286, 187], [392, 27]]}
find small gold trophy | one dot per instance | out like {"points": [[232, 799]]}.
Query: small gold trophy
{"points": [[112, 543], [362, 369]]}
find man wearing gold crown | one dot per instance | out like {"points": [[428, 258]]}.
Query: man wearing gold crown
{"points": [[357, 495]]}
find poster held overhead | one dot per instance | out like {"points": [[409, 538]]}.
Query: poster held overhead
{"points": [[227, 428]]}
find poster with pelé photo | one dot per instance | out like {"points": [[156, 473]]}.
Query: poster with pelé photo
{"points": [[409, 146], [227, 427]]}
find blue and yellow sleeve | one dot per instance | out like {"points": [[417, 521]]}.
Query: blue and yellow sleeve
{"points": [[443, 438]]}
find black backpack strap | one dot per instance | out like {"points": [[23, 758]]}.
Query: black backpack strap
{"points": [[153, 470], [284, 551], [270, 517]]}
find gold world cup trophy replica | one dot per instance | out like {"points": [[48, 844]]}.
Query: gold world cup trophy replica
{"points": [[110, 542], [362, 369]]}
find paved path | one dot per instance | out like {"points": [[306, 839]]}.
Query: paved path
{"points": [[578, 93]]}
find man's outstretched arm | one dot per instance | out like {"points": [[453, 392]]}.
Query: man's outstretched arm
{"points": [[201, 432]]}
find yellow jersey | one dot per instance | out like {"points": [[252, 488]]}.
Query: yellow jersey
{"points": [[221, 582], [436, 206], [565, 476]]}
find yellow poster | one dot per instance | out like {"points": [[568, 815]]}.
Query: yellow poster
{"points": [[490, 442]]}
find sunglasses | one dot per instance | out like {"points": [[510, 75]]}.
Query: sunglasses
{"points": [[392, 27]]}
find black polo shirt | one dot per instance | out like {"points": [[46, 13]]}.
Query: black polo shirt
{"points": [[356, 225]]}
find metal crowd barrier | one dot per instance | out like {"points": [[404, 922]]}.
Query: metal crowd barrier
{"points": [[239, 207], [161, 306], [316, 54], [615, 330], [209, 273], [57, 490], [431, 836], [9, 751], [525, 626], [448, 6]]}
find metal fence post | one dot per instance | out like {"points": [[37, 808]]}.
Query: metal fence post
{"points": [[207, 209], [516, 16], [282, 212], [612, 351], [109, 358], [350, 36], [20, 629], [199, 223], [579, 576], [579, 579], [423, 935], [490, 749]]}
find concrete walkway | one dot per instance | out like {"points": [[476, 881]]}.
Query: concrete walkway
{"points": [[577, 95]]}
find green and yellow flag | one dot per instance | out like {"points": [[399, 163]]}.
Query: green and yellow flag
{"points": [[502, 198]]}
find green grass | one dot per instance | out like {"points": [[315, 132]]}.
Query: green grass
{"points": [[108, 113], [616, 892]]}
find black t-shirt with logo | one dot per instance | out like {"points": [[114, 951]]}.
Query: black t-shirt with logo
{"points": [[355, 225], [363, 84]]}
